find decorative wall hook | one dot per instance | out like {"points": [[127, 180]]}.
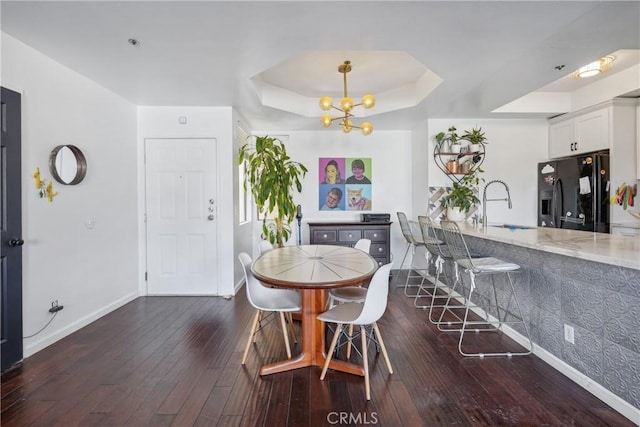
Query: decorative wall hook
{"points": [[50, 192], [44, 189]]}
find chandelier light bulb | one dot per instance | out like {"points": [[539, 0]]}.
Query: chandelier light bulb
{"points": [[368, 101], [347, 104], [347, 125], [366, 128], [326, 120], [326, 103]]}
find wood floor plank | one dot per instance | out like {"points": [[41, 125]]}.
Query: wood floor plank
{"points": [[176, 361]]}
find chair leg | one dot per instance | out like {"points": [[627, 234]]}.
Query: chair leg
{"points": [[285, 334], [254, 328], [500, 322], [395, 280], [349, 337], [293, 332], [330, 352], [382, 347], [365, 362]]}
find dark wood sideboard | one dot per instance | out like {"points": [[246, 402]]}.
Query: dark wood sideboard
{"points": [[348, 233]]}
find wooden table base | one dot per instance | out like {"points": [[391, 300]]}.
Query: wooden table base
{"points": [[313, 340]]}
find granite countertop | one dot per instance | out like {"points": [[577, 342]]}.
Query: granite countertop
{"points": [[611, 249]]}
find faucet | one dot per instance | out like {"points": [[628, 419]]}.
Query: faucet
{"points": [[485, 200]]}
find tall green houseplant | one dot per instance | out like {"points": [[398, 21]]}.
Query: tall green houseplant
{"points": [[272, 177]]}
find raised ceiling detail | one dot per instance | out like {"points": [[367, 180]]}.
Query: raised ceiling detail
{"points": [[396, 78]]}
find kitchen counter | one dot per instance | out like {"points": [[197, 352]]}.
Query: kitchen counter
{"points": [[623, 251]]}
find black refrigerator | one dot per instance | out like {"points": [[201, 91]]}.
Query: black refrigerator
{"points": [[573, 192]]}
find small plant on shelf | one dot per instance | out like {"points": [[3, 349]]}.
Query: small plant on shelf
{"points": [[476, 137], [450, 137]]}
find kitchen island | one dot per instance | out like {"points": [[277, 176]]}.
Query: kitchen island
{"points": [[587, 281]]}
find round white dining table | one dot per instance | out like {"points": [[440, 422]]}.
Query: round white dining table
{"points": [[312, 269]]}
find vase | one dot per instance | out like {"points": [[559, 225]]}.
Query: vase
{"points": [[456, 214]]}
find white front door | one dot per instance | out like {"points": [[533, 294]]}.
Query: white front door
{"points": [[181, 210]]}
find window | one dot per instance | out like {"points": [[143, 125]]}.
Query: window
{"points": [[244, 195]]}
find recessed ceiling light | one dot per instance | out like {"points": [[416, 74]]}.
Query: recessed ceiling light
{"points": [[134, 42], [594, 68]]}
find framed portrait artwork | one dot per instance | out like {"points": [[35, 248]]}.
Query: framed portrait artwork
{"points": [[344, 184]]}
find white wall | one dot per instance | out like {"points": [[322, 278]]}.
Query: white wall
{"points": [[202, 122], [514, 149], [390, 153], [89, 271]]}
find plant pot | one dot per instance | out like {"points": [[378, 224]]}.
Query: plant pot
{"points": [[474, 148], [455, 214], [455, 148]]}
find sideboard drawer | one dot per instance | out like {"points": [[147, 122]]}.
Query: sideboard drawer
{"points": [[325, 236], [376, 235], [378, 249], [349, 236]]}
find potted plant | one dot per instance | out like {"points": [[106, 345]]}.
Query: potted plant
{"points": [[451, 138], [462, 197], [476, 137], [272, 177]]}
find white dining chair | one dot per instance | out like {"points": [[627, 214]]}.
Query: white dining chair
{"points": [[350, 293], [362, 314], [270, 301]]}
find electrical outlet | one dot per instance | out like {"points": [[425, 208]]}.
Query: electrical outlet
{"points": [[569, 334], [55, 307]]}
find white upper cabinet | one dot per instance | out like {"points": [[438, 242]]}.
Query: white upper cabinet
{"points": [[579, 134]]}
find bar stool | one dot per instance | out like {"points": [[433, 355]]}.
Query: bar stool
{"points": [[412, 243], [484, 266], [440, 290]]}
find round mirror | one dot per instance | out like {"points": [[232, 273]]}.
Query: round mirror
{"points": [[67, 164]]}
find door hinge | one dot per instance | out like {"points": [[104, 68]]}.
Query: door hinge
{"points": [[146, 276]]}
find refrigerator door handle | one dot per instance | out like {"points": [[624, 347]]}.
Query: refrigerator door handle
{"points": [[555, 206]]}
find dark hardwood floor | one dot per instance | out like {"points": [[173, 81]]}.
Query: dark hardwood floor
{"points": [[176, 361]]}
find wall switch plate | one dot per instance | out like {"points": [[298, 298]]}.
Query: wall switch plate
{"points": [[569, 334]]}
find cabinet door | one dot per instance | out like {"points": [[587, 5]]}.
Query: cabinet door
{"points": [[591, 131], [561, 139]]}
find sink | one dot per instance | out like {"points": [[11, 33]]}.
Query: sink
{"points": [[512, 226]]}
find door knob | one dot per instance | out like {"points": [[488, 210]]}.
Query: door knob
{"points": [[16, 242]]}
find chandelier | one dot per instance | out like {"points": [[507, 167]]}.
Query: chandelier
{"points": [[346, 106]]}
